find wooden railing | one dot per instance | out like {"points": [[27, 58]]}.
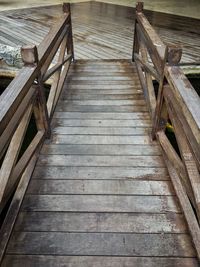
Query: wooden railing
{"points": [[177, 104], [24, 100]]}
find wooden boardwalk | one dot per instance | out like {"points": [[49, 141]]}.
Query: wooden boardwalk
{"points": [[100, 182], [101, 31], [100, 194]]}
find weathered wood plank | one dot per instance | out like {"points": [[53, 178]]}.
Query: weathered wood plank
{"points": [[99, 187], [101, 244], [101, 203], [112, 131], [91, 261], [100, 222], [88, 172], [107, 86], [101, 139], [101, 108], [100, 79], [102, 116], [84, 160], [103, 91], [104, 102], [51, 149], [74, 96], [102, 123]]}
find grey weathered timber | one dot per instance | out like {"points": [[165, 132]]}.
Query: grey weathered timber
{"points": [[88, 172], [101, 222], [98, 261], [104, 131], [101, 150], [99, 187], [101, 244]]}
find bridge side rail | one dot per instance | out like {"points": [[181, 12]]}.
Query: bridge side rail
{"points": [[24, 100], [177, 104]]}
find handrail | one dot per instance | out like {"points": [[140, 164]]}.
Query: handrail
{"points": [[24, 99], [176, 103]]}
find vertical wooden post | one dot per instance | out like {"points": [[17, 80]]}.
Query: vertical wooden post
{"points": [[70, 46], [161, 115], [174, 55], [29, 55], [138, 8]]}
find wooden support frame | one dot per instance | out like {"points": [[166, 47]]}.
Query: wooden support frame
{"points": [[24, 99], [176, 103]]}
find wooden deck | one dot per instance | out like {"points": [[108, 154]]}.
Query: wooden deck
{"points": [[100, 194], [101, 31]]}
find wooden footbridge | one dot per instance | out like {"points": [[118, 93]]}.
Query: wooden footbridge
{"points": [[100, 183]]}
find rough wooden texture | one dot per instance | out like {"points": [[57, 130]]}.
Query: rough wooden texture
{"points": [[91, 261], [100, 193], [90, 20]]}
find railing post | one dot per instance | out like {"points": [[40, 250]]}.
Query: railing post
{"points": [[138, 9], [174, 55], [70, 46], [172, 58], [29, 55]]}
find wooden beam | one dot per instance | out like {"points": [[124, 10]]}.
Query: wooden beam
{"points": [[13, 151], [58, 66], [185, 204], [9, 221]]}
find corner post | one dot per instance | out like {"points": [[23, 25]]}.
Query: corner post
{"points": [[138, 9], [70, 44], [29, 55], [174, 55], [30, 58]]}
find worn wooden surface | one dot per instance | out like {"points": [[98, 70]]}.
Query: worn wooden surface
{"points": [[100, 30], [100, 194]]}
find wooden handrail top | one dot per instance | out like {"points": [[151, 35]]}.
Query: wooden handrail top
{"points": [[17, 89]]}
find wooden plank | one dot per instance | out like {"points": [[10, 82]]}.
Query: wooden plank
{"points": [[51, 149], [103, 108], [73, 96], [101, 203], [112, 131], [63, 172], [118, 86], [90, 261], [104, 102], [100, 79], [132, 91], [99, 187], [105, 82], [101, 244], [102, 123], [101, 116], [100, 222], [101, 140], [83, 160], [80, 72]]}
